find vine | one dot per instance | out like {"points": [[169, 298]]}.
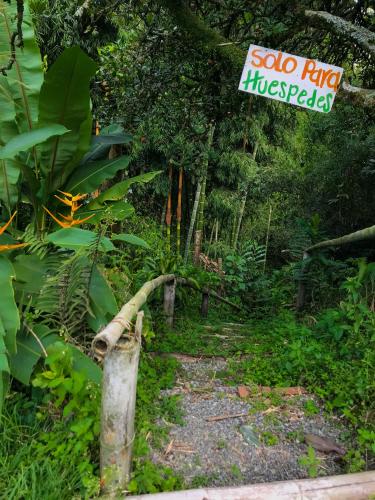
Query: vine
{"points": [[16, 39]]}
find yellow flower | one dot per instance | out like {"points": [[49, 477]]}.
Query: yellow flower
{"points": [[4, 248]]}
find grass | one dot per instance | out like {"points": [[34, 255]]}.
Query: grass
{"points": [[21, 475]]}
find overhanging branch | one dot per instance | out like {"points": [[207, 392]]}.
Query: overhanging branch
{"points": [[361, 36]]}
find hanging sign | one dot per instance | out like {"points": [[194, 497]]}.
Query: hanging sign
{"points": [[292, 79]]}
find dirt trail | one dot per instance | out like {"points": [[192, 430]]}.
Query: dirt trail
{"points": [[261, 440]]}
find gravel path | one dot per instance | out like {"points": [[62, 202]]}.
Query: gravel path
{"points": [[223, 452]]}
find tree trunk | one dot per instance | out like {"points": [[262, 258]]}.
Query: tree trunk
{"points": [[163, 214], [119, 389]]}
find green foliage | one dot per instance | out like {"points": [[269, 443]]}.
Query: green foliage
{"points": [[154, 374], [242, 270], [21, 475], [269, 439], [76, 400], [311, 462]]}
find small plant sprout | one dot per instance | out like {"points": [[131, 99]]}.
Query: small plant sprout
{"points": [[311, 462]]}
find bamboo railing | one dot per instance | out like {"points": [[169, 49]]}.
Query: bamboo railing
{"points": [[361, 235], [118, 345]]}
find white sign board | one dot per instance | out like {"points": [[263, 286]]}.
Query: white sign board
{"points": [[292, 79]]}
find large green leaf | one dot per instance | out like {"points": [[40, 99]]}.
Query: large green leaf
{"points": [[9, 315], [30, 273], [26, 76], [102, 301], [65, 99], [82, 363], [90, 176], [9, 169], [131, 239], [117, 211], [29, 351], [119, 190], [19, 94], [4, 366], [101, 144], [75, 238], [27, 140]]}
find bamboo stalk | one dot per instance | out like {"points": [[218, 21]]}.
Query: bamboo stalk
{"points": [[200, 223], [358, 486], [192, 221], [243, 203], [267, 238], [362, 234], [179, 210], [168, 216]]}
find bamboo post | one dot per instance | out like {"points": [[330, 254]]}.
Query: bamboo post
{"points": [[300, 302], [169, 298], [118, 409], [204, 305]]}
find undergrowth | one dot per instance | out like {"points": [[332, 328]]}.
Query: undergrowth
{"points": [[331, 354], [49, 446]]}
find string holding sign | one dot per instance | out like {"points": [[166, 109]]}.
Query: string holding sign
{"points": [[292, 79]]}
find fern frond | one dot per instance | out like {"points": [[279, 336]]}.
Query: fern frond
{"points": [[64, 298], [35, 243]]}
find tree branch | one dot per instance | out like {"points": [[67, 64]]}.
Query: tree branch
{"points": [[366, 97], [203, 35], [362, 234], [362, 37]]}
